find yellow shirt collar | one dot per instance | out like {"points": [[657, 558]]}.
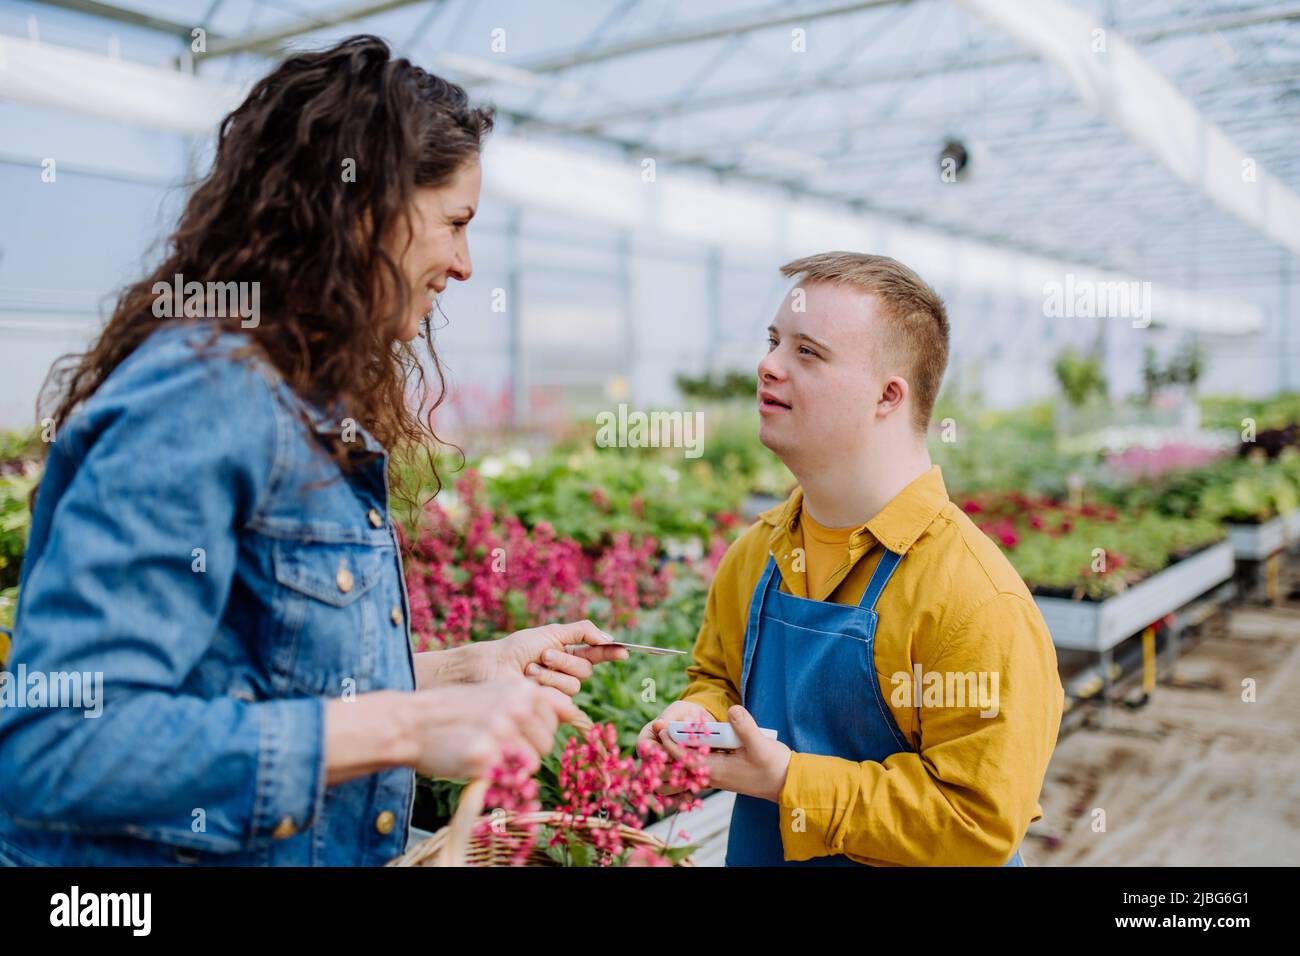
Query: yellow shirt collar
{"points": [[897, 526]]}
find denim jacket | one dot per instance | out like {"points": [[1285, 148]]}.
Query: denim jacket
{"points": [[191, 545]]}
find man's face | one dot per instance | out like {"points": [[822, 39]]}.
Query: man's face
{"points": [[819, 386]]}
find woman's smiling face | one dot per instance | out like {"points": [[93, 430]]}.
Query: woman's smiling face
{"points": [[439, 248]]}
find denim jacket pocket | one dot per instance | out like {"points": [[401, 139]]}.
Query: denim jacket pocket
{"points": [[327, 614]]}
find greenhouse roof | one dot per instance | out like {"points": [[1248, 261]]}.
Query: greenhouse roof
{"points": [[1156, 140]]}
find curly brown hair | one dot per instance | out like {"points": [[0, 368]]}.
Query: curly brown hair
{"points": [[277, 208]]}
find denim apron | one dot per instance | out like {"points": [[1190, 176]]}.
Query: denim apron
{"points": [[806, 665]]}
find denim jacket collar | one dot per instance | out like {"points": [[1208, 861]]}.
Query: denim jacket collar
{"points": [[329, 421]]}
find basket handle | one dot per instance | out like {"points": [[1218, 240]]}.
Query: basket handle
{"points": [[460, 829]]}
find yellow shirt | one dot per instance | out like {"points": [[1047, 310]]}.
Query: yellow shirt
{"points": [[955, 609], [825, 549]]}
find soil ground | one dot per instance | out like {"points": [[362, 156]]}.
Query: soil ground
{"points": [[1196, 776]]}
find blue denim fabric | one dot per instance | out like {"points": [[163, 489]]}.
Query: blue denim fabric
{"points": [[209, 748]]}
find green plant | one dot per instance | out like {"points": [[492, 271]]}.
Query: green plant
{"points": [[1008, 453], [714, 386], [1232, 411], [591, 496], [8, 606], [1245, 490], [1080, 377], [731, 448], [15, 521], [1251, 498], [24, 445], [1183, 368], [1100, 558]]}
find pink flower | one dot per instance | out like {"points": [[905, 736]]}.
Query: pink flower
{"points": [[596, 781], [647, 856], [511, 789], [627, 575]]}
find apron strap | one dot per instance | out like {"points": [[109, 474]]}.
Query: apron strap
{"points": [[879, 578], [765, 584], [767, 580]]}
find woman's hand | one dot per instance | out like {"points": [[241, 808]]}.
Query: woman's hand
{"points": [[462, 732], [457, 732], [559, 656], [556, 655]]}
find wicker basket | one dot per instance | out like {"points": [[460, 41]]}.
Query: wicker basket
{"points": [[457, 844]]}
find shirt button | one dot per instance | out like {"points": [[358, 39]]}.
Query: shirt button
{"points": [[396, 615], [344, 580], [285, 829], [376, 518], [385, 822]]}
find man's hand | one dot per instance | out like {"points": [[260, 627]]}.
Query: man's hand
{"points": [[757, 769], [677, 710]]}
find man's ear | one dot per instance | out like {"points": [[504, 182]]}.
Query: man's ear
{"points": [[893, 395]]}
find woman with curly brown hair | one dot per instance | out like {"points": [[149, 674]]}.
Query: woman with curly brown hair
{"points": [[211, 561]]}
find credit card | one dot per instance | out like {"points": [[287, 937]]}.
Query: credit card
{"points": [[643, 648]]}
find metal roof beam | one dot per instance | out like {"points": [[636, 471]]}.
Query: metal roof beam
{"points": [[1121, 85], [135, 18], [786, 89], [270, 40], [767, 18]]}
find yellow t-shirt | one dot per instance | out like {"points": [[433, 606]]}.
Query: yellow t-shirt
{"points": [[826, 550]]}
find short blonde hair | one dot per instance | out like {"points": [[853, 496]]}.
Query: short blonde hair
{"points": [[915, 315]]}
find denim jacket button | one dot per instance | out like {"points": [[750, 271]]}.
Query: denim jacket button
{"points": [[285, 829], [396, 616], [385, 822], [376, 518], [344, 580]]}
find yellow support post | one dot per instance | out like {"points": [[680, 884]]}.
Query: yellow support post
{"points": [[1271, 568], [1149, 660]]}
